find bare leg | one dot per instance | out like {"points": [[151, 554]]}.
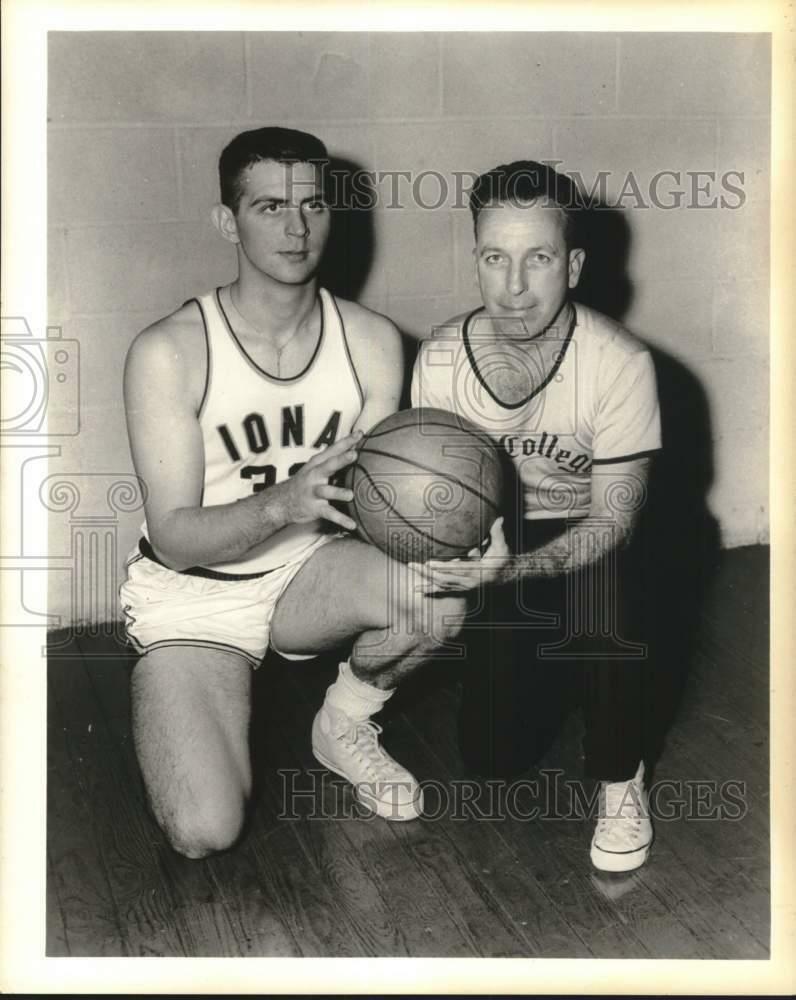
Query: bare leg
{"points": [[191, 708], [349, 590]]}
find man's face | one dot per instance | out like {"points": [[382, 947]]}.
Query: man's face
{"points": [[282, 221], [523, 266]]}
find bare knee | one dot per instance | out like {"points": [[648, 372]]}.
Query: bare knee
{"points": [[430, 625], [443, 618], [204, 829], [449, 615]]}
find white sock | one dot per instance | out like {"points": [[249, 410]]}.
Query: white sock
{"points": [[638, 777], [358, 699]]}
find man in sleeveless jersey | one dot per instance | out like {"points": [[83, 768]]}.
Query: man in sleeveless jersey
{"points": [[242, 406], [570, 398]]}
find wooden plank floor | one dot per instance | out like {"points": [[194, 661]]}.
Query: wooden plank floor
{"points": [[462, 882]]}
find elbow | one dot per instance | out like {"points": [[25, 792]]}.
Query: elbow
{"points": [[626, 529], [168, 557], [623, 529], [167, 550]]}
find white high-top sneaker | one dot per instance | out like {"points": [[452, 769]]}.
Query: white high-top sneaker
{"points": [[352, 750], [623, 836]]}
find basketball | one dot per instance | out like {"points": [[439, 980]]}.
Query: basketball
{"points": [[427, 484]]}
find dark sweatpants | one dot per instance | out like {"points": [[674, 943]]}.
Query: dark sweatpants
{"points": [[537, 649]]}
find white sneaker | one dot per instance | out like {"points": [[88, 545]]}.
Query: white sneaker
{"points": [[623, 836], [351, 749]]}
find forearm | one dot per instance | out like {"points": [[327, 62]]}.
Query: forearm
{"points": [[618, 498], [204, 536], [582, 544]]}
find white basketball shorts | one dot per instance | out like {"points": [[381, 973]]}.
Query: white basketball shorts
{"points": [[163, 607]]}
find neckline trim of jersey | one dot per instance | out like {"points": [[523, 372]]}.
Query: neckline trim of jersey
{"points": [[542, 385], [250, 360]]}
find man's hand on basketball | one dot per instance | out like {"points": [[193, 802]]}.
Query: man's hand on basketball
{"points": [[307, 495], [445, 576]]}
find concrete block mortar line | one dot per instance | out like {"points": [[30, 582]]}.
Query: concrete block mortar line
{"points": [[132, 223], [714, 285], [64, 259], [440, 77], [77, 123], [727, 357], [245, 121], [75, 318], [247, 82], [715, 288], [368, 66], [460, 255], [178, 178]]}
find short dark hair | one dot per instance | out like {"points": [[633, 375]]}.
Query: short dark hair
{"points": [[523, 182], [285, 145]]}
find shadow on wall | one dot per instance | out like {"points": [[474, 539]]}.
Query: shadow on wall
{"points": [[679, 540], [350, 251]]}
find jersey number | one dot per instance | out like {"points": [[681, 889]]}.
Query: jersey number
{"points": [[268, 472]]}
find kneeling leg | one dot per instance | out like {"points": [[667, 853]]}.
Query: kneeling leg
{"points": [[191, 709]]}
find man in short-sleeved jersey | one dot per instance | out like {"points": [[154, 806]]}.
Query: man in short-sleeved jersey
{"points": [[242, 406], [570, 398]]}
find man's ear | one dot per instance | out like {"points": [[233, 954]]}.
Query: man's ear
{"points": [[577, 258], [224, 220]]}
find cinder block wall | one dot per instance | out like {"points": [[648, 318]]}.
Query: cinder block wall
{"points": [[137, 120]]}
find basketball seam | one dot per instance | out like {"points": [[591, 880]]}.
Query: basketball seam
{"points": [[361, 527], [415, 528], [480, 436], [436, 472]]}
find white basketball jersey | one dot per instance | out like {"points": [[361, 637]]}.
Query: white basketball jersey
{"points": [[259, 429]]}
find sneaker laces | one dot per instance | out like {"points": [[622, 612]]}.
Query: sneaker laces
{"points": [[362, 738], [624, 806]]}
